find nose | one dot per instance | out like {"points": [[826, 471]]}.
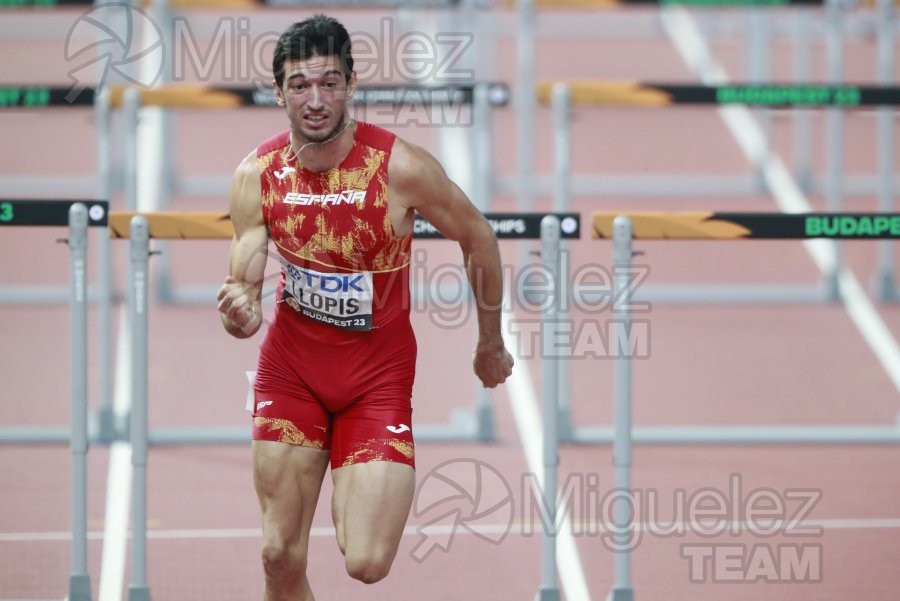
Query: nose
{"points": [[315, 98]]}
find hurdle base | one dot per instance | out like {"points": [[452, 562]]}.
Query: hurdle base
{"points": [[565, 431], [464, 426], [41, 295], [138, 593], [35, 435], [548, 594], [735, 294], [761, 434], [201, 435], [621, 593], [105, 421], [79, 587], [886, 288]]}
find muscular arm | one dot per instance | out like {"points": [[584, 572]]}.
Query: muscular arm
{"points": [[240, 296], [419, 182]]}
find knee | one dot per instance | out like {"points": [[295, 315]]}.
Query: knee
{"points": [[368, 567], [282, 562]]}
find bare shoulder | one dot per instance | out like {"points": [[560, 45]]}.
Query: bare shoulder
{"points": [[246, 194], [415, 175]]}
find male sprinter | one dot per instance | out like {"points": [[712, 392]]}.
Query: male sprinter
{"points": [[336, 368]]}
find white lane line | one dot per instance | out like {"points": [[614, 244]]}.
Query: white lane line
{"points": [[590, 528], [689, 41], [118, 488], [523, 402], [118, 483]]}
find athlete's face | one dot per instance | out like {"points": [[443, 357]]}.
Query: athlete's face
{"points": [[315, 94]]}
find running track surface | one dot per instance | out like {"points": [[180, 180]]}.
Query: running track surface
{"points": [[708, 365]]}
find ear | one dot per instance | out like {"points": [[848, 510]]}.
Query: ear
{"points": [[279, 98], [351, 86]]}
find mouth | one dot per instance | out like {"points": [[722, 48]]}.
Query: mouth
{"points": [[315, 121]]}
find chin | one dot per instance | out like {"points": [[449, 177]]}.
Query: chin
{"points": [[319, 135]]}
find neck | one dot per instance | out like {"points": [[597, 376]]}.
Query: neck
{"points": [[325, 155]]}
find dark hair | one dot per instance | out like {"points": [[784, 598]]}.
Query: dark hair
{"points": [[319, 35]]}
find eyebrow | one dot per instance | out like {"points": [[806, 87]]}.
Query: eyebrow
{"points": [[328, 73]]}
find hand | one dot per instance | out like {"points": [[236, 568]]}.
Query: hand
{"points": [[492, 363], [236, 305]]}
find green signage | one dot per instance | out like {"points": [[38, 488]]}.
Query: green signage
{"points": [[790, 95], [24, 97], [725, 2], [6, 212], [26, 3], [852, 226]]}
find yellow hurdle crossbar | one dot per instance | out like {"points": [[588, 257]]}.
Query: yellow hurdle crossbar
{"points": [[175, 225]]}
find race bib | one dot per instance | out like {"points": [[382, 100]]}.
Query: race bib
{"points": [[343, 300]]}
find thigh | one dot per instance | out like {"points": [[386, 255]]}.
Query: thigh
{"points": [[288, 479], [370, 507]]}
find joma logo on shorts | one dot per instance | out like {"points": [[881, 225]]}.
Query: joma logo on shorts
{"points": [[346, 197]]}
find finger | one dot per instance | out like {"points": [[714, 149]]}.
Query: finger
{"points": [[232, 301], [226, 297], [229, 287], [240, 310], [222, 292]]}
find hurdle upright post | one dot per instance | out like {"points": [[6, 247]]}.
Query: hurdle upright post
{"points": [[623, 521], [525, 105], [107, 429], [758, 61], [802, 118], [79, 579], [834, 139], [562, 195], [550, 238], [885, 285], [131, 105], [485, 430], [525, 102], [140, 252]]}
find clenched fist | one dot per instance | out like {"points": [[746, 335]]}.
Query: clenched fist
{"points": [[492, 363], [241, 313]]}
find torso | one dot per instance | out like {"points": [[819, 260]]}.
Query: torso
{"points": [[344, 269]]}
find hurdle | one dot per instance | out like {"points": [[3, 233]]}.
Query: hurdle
{"points": [[78, 217], [623, 229], [529, 183], [103, 185], [480, 97], [466, 425], [563, 96], [40, 98], [740, 226], [140, 228]]}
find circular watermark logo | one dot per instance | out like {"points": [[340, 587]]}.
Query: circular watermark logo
{"points": [[461, 493], [114, 40]]}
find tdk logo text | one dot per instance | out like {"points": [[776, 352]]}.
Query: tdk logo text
{"points": [[346, 197], [330, 282]]}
